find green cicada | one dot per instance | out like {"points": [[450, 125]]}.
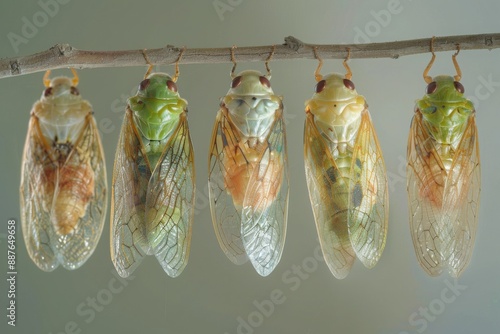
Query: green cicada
{"points": [[443, 176], [152, 202]]}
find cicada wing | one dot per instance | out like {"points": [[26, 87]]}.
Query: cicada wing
{"points": [[369, 202], [461, 202], [225, 218], [323, 181], [426, 176], [265, 207], [35, 204], [75, 248], [131, 175], [170, 201]]}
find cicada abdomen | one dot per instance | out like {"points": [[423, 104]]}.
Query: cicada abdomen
{"points": [[248, 176], [346, 175], [443, 177], [153, 180], [63, 185]]}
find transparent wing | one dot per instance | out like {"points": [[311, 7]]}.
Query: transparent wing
{"points": [[426, 177], [369, 203], [265, 207], [35, 205], [461, 202], [329, 201], [75, 248], [131, 175], [225, 217], [170, 201], [44, 179]]}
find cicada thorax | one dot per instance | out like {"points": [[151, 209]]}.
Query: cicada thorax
{"points": [[155, 111], [68, 175], [251, 109], [444, 115]]}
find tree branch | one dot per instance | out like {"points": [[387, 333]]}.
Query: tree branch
{"points": [[64, 55]]}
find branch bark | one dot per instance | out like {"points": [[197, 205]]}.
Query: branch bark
{"points": [[64, 55]]}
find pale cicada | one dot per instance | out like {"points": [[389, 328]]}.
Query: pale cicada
{"points": [[443, 176], [153, 189], [248, 177], [346, 175], [63, 178]]}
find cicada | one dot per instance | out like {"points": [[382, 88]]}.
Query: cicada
{"points": [[63, 178], [153, 189], [443, 176], [248, 173], [346, 175]]}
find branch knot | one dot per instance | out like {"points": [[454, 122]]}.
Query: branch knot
{"points": [[293, 43], [15, 69], [61, 50]]}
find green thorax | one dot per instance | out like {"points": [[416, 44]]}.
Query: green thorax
{"points": [[157, 106], [445, 110]]}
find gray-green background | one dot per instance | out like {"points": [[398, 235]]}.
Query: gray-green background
{"points": [[212, 295]]}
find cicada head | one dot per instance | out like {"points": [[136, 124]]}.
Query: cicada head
{"points": [[445, 109], [334, 87], [336, 105], [157, 106], [251, 103], [61, 91], [250, 83]]}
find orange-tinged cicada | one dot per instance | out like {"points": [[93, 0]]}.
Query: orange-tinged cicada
{"points": [[248, 177], [444, 176], [63, 178], [346, 175], [152, 199]]}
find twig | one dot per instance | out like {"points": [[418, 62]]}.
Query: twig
{"points": [[64, 55]]}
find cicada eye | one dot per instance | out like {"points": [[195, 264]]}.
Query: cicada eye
{"points": [[236, 82], [144, 84], [172, 86], [459, 87], [349, 84], [264, 81], [74, 91], [320, 86], [48, 91], [431, 88]]}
